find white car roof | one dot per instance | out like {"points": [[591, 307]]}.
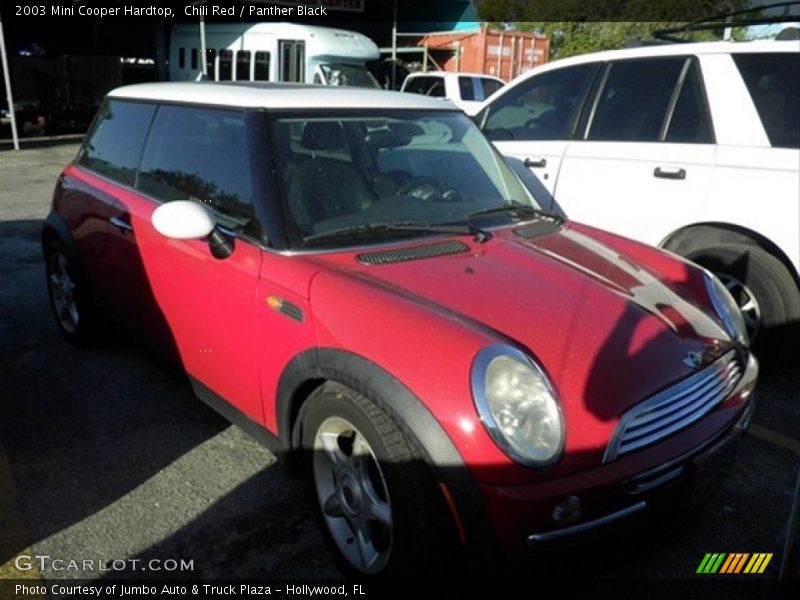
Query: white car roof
{"points": [[275, 96]]}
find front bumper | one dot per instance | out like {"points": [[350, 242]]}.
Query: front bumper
{"points": [[662, 477]]}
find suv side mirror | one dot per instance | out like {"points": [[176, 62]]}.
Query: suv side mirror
{"points": [[186, 220]]}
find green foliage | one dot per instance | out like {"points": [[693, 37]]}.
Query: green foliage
{"points": [[597, 25]]}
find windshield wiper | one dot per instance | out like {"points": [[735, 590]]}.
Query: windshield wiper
{"points": [[479, 235], [517, 210]]}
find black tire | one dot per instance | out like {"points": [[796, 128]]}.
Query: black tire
{"points": [[777, 339], [420, 542], [79, 330]]}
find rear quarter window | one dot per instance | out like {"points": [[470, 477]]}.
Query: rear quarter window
{"points": [[773, 80], [114, 144]]}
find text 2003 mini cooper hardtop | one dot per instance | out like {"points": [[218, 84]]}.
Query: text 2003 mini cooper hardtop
{"points": [[359, 275]]}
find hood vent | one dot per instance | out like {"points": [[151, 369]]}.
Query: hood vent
{"points": [[385, 257]]}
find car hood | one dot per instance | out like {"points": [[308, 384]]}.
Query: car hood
{"points": [[605, 328]]}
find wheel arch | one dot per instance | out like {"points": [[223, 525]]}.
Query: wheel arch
{"points": [[313, 368], [55, 228], [690, 239]]}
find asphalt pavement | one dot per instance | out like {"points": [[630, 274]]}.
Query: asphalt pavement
{"points": [[105, 454]]}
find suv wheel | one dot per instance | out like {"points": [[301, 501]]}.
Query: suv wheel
{"points": [[766, 293], [371, 491], [68, 296]]}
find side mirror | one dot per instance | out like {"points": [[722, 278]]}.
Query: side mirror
{"points": [[183, 220], [186, 220]]}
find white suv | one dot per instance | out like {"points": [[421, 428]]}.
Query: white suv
{"points": [[692, 147], [466, 90]]}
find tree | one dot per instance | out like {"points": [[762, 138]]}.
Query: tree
{"points": [[600, 24]]}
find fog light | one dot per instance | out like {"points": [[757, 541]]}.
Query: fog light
{"points": [[567, 511]]}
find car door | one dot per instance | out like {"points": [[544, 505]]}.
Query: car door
{"points": [[207, 305], [107, 164], [535, 119], [645, 164]]}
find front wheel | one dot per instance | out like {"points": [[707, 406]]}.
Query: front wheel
{"points": [[373, 495], [766, 293]]}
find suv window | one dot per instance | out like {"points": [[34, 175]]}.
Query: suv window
{"points": [[113, 146], [773, 81], [202, 155], [634, 100], [690, 122], [542, 108]]}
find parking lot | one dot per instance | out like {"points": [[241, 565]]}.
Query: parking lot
{"points": [[106, 455]]}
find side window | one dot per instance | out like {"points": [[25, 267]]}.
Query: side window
{"points": [[418, 85], [262, 66], [490, 86], [202, 155], [774, 84], [437, 89], [293, 60], [113, 146], [225, 65], [542, 108], [211, 55], [181, 58], [243, 65], [194, 58], [690, 122], [634, 100], [465, 89]]}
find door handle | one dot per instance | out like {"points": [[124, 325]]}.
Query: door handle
{"points": [[669, 173], [535, 162], [120, 224]]}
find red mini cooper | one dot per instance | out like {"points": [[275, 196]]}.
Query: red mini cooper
{"points": [[359, 279]]}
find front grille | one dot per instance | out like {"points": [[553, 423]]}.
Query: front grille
{"points": [[383, 257], [675, 408]]}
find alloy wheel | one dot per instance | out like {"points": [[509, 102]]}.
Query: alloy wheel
{"points": [[353, 495]]}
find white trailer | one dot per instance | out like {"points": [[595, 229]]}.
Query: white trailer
{"points": [[273, 52]]}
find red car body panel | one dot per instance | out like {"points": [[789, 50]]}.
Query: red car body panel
{"points": [[517, 291], [608, 319]]}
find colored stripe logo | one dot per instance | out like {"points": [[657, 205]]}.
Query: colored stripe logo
{"points": [[734, 563]]}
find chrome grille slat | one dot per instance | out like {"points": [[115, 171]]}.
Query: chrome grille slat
{"points": [[667, 407], [669, 430], [675, 408], [699, 400], [667, 414]]}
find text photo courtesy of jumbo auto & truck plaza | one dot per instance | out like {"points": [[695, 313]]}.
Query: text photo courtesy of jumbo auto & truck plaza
{"points": [[390, 298]]}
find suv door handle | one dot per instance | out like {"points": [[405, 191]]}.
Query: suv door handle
{"points": [[120, 224], [669, 173], [535, 162]]}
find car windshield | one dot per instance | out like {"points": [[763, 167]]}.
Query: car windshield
{"points": [[390, 175], [348, 75]]}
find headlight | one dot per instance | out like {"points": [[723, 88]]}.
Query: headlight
{"points": [[727, 309], [518, 406]]}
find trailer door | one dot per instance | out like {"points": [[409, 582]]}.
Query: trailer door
{"points": [[292, 60]]}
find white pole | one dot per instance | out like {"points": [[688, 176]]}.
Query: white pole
{"points": [[394, 46], [7, 78], [203, 43]]}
